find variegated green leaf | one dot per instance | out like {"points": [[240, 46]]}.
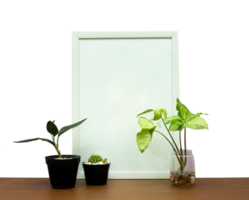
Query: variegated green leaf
{"points": [[202, 113], [172, 119], [176, 123], [157, 115], [197, 124], [147, 111], [144, 138], [145, 123], [169, 119], [158, 124], [183, 111], [173, 127], [206, 114], [181, 128], [164, 112]]}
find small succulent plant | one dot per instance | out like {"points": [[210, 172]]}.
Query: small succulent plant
{"points": [[53, 130], [95, 158]]}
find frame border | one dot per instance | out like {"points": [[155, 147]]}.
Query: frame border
{"points": [[173, 34]]}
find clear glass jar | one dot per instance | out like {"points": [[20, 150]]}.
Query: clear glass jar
{"points": [[182, 171]]}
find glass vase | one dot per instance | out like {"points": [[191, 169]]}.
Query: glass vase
{"points": [[182, 171]]}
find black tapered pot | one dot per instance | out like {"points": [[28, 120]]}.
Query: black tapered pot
{"points": [[62, 173], [96, 174]]}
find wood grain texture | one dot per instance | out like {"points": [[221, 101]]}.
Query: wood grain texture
{"points": [[209, 188]]}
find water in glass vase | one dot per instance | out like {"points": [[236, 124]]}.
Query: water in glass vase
{"points": [[182, 171], [185, 178]]}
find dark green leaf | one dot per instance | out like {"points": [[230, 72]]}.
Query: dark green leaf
{"points": [[33, 139], [66, 128], [52, 128], [54, 120]]}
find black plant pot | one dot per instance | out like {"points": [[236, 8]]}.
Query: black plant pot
{"points": [[63, 173], [96, 174]]}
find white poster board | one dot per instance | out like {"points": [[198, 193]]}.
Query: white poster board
{"points": [[116, 76]]}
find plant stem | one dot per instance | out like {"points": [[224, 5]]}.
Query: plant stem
{"points": [[182, 165], [185, 151], [185, 144], [181, 145], [185, 140], [172, 147], [180, 142], [58, 151], [171, 136], [57, 146]]}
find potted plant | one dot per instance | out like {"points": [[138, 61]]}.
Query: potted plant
{"points": [[62, 169], [183, 170], [96, 170]]}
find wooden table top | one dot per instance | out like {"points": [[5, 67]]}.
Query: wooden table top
{"points": [[204, 188]]}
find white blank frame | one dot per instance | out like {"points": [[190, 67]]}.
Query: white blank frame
{"points": [[115, 75]]}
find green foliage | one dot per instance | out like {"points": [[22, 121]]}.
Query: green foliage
{"points": [[157, 113], [54, 119], [145, 123], [104, 161], [175, 123], [66, 128], [144, 138], [197, 123], [33, 139], [53, 130], [184, 119], [95, 158], [183, 112]]}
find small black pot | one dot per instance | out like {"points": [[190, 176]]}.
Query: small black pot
{"points": [[63, 173], [96, 174]]}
